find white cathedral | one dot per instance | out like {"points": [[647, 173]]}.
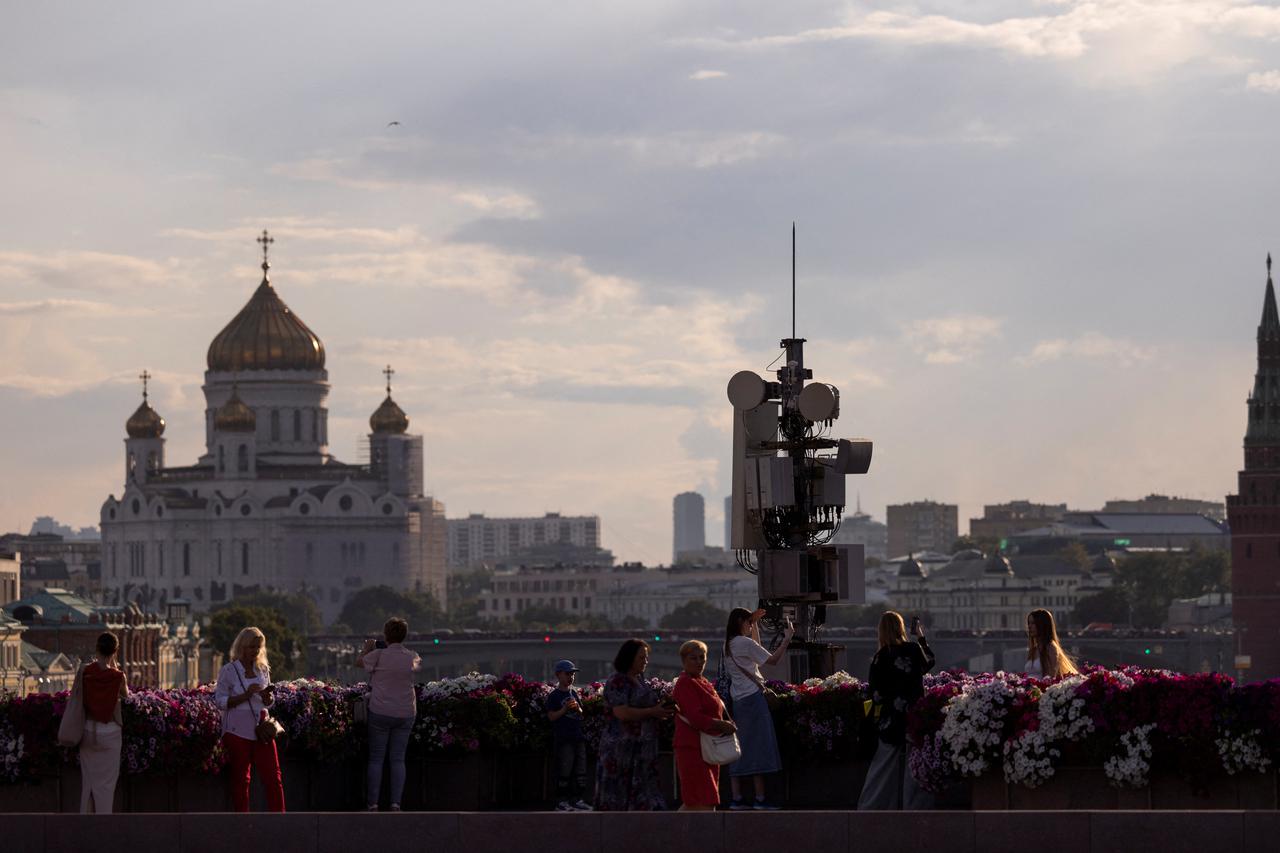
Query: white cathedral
{"points": [[266, 507]]}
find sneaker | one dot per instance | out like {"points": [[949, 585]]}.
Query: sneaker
{"points": [[372, 808], [565, 806], [395, 807], [764, 806], [738, 805], [583, 806]]}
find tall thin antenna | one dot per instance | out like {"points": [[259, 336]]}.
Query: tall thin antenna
{"points": [[793, 280]]}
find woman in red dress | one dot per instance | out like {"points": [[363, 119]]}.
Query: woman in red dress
{"points": [[700, 711]]}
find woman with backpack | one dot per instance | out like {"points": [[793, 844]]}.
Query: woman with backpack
{"points": [[743, 656]]}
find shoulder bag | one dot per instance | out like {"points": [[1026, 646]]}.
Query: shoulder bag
{"points": [[71, 729], [717, 750], [268, 728]]}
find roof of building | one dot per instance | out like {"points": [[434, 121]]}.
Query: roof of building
{"points": [[265, 335], [1130, 524], [56, 605], [34, 657], [1026, 567]]}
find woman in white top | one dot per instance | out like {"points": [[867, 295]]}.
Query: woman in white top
{"points": [[244, 694], [743, 657], [393, 707], [1045, 656]]}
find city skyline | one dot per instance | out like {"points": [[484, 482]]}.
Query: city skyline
{"points": [[1031, 240]]}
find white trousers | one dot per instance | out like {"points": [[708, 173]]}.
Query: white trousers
{"points": [[99, 766]]}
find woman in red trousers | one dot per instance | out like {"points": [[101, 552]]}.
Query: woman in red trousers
{"points": [[700, 711], [244, 693]]}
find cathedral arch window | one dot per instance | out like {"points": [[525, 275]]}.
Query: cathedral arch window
{"points": [[1248, 549], [219, 549], [245, 509], [153, 462], [275, 424], [244, 558], [344, 503], [160, 559], [297, 425], [133, 464], [222, 459], [186, 558], [315, 425], [135, 506], [242, 459], [386, 509], [305, 509]]}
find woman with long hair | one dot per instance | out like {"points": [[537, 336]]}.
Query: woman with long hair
{"points": [[627, 768], [897, 681], [244, 694], [1045, 656], [103, 688], [744, 655]]}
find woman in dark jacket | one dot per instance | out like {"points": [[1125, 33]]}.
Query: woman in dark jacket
{"points": [[897, 681]]}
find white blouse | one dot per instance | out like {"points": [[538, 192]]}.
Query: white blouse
{"points": [[1034, 667], [242, 720]]}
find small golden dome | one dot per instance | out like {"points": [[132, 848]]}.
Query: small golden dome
{"points": [[265, 335], [389, 418], [234, 416], [145, 422]]}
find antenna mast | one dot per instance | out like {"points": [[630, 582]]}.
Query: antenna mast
{"points": [[793, 279]]}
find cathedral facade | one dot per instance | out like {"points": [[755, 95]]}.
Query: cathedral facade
{"points": [[267, 507], [1254, 512]]}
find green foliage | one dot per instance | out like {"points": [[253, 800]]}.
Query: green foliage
{"points": [[1076, 553], [1148, 583], [286, 648], [468, 584], [632, 623], [369, 609], [298, 609], [698, 613], [985, 544]]}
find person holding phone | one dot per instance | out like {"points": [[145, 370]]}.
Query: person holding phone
{"points": [[759, 741], [393, 707], [896, 681], [243, 694]]}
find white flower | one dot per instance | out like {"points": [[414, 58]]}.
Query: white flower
{"points": [[1129, 767], [1242, 752]]}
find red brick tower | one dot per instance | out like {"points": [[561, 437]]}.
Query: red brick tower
{"points": [[1254, 513]]}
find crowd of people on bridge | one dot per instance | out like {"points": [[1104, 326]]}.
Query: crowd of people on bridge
{"points": [[727, 723]]}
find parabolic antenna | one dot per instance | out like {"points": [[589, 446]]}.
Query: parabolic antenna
{"points": [[819, 402], [746, 390]]}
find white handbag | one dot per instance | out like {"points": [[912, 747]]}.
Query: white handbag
{"points": [[717, 750]]}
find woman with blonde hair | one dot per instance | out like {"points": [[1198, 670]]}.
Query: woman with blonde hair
{"points": [[896, 681], [1045, 656], [700, 711], [244, 694]]}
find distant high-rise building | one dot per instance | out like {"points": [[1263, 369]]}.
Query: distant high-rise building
{"points": [[1166, 505], [728, 521], [689, 523], [922, 526], [1000, 521], [1255, 525], [478, 539]]}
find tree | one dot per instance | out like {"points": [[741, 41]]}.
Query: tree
{"points": [[698, 613], [985, 544], [286, 648], [369, 609], [1150, 582], [299, 609], [1075, 552], [1109, 605]]}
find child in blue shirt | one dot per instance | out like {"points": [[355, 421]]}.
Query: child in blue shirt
{"points": [[568, 745]]}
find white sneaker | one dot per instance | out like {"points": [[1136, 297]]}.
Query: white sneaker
{"points": [[583, 806], [565, 806]]}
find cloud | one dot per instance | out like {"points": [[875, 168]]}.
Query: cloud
{"points": [[87, 271], [1264, 81], [953, 339], [1090, 345], [80, 307], [708, 74]]}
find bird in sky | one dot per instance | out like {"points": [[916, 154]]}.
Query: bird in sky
{"points": [[393, 124]]}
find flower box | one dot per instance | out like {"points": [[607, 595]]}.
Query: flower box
{"points": [[1088, 789]]}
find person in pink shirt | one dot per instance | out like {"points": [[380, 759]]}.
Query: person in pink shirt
{"points": [[393, 706]]}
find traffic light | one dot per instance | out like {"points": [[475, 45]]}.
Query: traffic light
{"points": [[435, 641], [657, 638], [546, 638], [1146, 651]]}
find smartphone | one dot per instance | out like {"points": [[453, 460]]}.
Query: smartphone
{"points": [[379, 644], [915, 623]]}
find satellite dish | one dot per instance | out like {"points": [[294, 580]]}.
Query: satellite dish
{"points": [[819, 402], [747, 390]]}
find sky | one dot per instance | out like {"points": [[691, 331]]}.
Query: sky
{"points": [[1031, 237]]}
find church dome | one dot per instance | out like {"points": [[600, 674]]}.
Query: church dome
{"points": [[911, 568], [234, 416], [265, 335], [998, 564], [145, 422], [389, 417]]}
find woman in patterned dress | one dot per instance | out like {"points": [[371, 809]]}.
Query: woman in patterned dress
{"points": [[627, 768]]}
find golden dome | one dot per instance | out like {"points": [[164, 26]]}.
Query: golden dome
{"points": [[145, 422], [389, 418], [234, 416], [265, 335]]}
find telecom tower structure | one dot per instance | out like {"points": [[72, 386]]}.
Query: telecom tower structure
{"points": [[788, 498]]}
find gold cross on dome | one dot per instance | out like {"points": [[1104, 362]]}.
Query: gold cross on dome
{"points": [[388, 372], [144, 376], [266, 240]]}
